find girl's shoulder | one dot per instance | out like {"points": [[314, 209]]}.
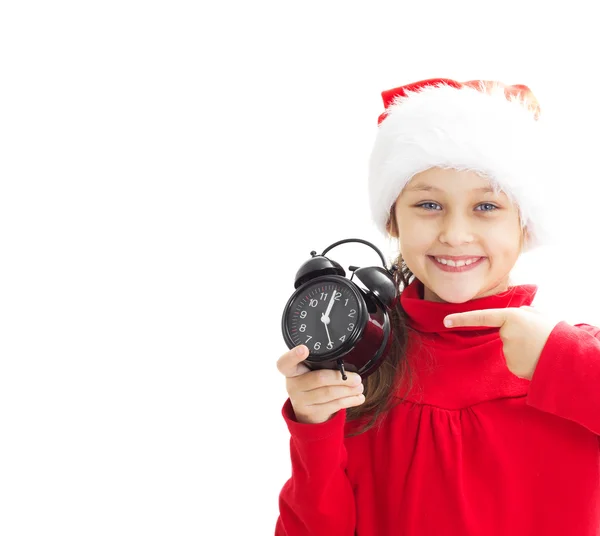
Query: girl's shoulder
{"points": [[588, 328]]}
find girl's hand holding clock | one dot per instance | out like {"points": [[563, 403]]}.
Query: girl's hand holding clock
{"points": [[316, 395]]}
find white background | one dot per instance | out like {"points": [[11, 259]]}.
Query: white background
{"points": [[165, 168]]}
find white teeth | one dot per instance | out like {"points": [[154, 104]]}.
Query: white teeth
{"points": [[458, 263]]}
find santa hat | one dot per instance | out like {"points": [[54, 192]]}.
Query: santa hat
{"points": [[484, 126]]}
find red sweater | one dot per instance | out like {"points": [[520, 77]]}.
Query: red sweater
{"points": [[474, 450]]}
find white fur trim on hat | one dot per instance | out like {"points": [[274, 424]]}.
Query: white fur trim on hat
{"points": [[465, 129]]}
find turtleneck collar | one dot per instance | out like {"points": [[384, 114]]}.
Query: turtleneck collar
{"points": [[428, 316], [458, 367]]}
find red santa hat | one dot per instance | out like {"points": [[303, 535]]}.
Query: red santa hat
{"points": [[484, 126]]}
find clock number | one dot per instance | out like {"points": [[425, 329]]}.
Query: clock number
{"points": [[303, 314], [338, 295], [323, 294], [309, 338], [303, 328], [317, 346], [313, 303], [329, 345], [352, 313], [345, 304], [350, 327], [343, 338]]}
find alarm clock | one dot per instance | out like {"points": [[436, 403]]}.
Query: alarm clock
{"points": [[345, 325]]}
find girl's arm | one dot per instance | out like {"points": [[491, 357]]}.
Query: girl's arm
{"points": [[318, 499], [566, 381]]}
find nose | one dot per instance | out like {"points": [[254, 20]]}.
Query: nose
{"points": [[456, 230]]}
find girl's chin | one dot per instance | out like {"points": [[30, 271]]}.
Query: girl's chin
{"points": [[445, 294]]}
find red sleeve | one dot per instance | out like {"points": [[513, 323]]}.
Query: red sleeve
{"points": [[566, 381], [318, 499]]}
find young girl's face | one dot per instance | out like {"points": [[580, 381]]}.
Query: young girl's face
{"points": [[444, 212]]}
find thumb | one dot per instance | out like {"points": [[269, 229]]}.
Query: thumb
{"points": [[290, 364]]}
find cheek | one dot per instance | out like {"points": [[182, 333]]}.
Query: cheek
{"points": [[503, 250], [504, 236], [415, 244], [415, 235]]}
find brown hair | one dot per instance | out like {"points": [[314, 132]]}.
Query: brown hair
{"points": [[381, 388]]}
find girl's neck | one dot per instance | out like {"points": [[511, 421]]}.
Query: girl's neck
{"points": [[428, 295]]}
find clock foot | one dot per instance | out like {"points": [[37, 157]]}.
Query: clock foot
{"points": [[341, 368]]}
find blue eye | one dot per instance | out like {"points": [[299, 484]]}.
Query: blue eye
{"points": [[422, 205], [493, 207]]}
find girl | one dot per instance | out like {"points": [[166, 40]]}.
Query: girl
{"points": [[485, 417]]}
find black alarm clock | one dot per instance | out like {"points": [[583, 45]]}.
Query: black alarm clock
{"points": [[344, 325]]}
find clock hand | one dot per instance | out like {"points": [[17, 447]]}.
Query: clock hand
{"points": [[329, 307], [327, 330], [325, 316]]}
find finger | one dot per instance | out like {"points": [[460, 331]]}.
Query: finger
{"points": [[318, 413], [290, 363], [339, 403], [330, 393], [325, 377], [343, 402], [495, 318]]}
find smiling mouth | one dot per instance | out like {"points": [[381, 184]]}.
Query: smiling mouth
{"points": [[457, 266], [456, 262]]}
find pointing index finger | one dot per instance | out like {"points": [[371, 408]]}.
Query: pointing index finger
{"points": [[486, 318]]}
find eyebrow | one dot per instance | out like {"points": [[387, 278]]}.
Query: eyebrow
{"points": [[427, 188]]}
